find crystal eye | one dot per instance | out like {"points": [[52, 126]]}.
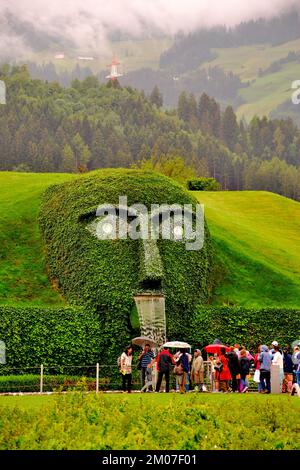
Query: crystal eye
{"points": [[178, 232], [104, 228], [107, 228]]}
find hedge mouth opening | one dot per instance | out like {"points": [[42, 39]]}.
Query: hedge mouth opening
{"points": [[151, 285]]}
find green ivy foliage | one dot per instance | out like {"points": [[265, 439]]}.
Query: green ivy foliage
{"points": [[105, 275], [249, 327], [203, 184], [49, 336], [74, 336]]}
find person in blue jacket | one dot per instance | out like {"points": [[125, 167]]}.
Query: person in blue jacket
{"points": [[265, 369]]}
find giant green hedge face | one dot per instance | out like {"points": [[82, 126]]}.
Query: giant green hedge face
{"points": [[106, 273]]}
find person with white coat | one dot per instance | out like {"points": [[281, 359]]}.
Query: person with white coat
{"points": [[278, 359]]}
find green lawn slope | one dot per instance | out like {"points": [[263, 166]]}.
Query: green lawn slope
{"points": [[257, 241], [22, 268], [256, 237]]}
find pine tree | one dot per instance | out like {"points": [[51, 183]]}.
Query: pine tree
{"points": [[183, 108], [68, 163], [81, 151], [156, 97], [230, 128]]}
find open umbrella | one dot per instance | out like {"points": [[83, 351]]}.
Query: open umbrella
{"points": [[177, 345], [142, 340], [296, 343], [215, 348]]}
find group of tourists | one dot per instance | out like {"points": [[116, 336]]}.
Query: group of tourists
{"points": [[229, 369]]}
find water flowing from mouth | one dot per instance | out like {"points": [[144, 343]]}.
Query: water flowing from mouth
{"points": [[152, 316]]}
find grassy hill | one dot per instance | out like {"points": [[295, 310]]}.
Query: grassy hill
{"points": [[256, 237], [245, 61], [22, 268]]}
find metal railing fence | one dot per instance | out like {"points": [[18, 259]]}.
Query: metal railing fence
{"points": [[97, 378]]}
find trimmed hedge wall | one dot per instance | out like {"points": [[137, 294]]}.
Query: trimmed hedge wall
{"points": [[250, 327], [73, 336], [52, 336]]}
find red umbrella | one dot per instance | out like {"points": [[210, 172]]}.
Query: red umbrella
{"points": [[215, 348]]}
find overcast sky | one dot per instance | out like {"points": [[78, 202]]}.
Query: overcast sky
{"points": [[86, 22]]}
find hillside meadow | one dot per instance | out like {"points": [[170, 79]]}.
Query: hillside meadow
{"points": [[266, 93]]}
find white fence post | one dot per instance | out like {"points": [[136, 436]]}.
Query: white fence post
{"points": [[97, 377], [42, 379]]}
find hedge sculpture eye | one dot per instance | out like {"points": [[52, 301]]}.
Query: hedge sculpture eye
{"points": [[105, 228], [114, 227], [178, 233]]}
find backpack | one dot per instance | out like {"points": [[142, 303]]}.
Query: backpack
{"points": [[178, 370], [296, 358]]}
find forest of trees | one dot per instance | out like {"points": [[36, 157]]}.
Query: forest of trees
{"points": [[49, 72], [214, 81], [47, 128]]}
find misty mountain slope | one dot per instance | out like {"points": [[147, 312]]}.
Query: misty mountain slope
{"points": [[285, 110], [268, 92], [264, 55], [191, 50], [134, 54], [246, 62]]}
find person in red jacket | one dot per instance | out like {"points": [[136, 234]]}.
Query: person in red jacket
{"points": [[257, 369], [163, 362], [222, 371]]}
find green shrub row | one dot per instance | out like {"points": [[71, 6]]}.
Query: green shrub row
{"points": [[49, 336], [157, 422], [109, 379], [72, 336], [203, 184], [31, 383]]}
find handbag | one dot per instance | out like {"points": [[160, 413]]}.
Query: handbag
{"points": [[178, 370], [256, 377], [218, 367], [139, 365]]}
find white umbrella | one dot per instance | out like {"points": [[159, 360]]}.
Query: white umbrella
{"points": [[177, 345], [142, 340]]}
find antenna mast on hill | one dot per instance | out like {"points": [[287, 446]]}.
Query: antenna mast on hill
{"points": [[115, 72]]}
